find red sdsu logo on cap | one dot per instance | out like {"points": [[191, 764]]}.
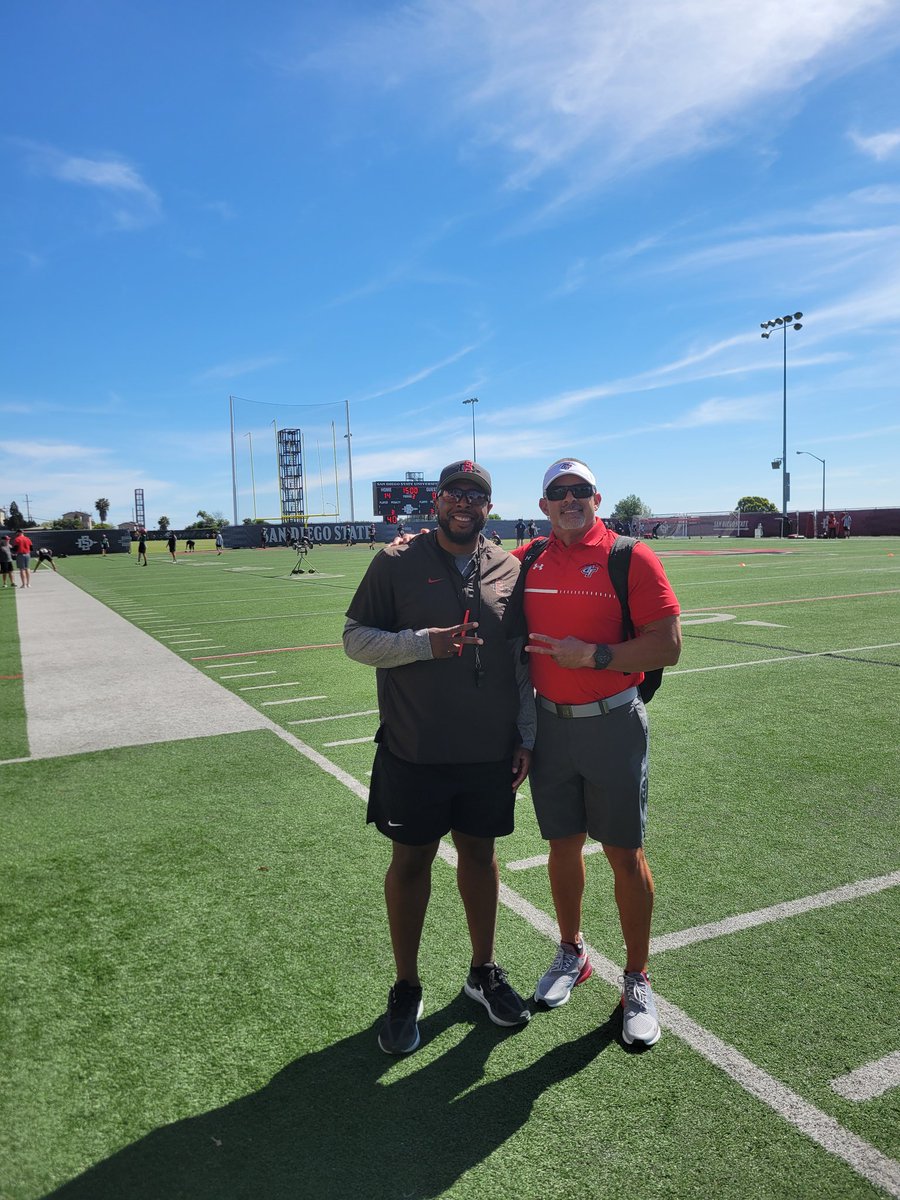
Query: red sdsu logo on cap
{"points": [[590, 569], [467, 466]]}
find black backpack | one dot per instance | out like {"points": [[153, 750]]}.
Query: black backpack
{"points": [[619, 563]]}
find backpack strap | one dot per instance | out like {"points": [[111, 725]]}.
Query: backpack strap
{"points": [[513, 624], [619, 564]]}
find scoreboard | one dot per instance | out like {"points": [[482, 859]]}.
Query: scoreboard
{"points": [[394, 500]]}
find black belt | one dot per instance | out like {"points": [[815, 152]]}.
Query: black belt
{"points": [[596, 708]]}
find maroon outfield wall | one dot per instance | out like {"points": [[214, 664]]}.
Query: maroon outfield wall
{"points": [[865, 522]]}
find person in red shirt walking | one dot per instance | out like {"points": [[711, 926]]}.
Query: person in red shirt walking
{"points": [[589, 770], [21, 545]]}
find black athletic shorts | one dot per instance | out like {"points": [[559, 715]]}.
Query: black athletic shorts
{"points": [[417, 803]]}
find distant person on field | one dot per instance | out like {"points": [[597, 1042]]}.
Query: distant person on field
{"points": [[6, 562], [171, 543], [456, 715], [348, 535], [264, 537], [520, 532], [589, 773], [22, 545], [189, 545], [372, 536], [532, 530], [832, 525], [220, 542], [104, 546], [846, 522], [142, 548], [45, 555]]}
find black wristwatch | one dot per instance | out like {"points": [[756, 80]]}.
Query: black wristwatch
{"points": [[602, 657]]}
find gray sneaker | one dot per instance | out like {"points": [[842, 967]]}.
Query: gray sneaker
{"points": [[567, 970], [639, 1020]]}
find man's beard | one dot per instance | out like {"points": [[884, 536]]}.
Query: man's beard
{"points": [[479, 520]]}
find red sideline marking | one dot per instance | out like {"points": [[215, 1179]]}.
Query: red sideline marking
{"points": [[280, 650], [806, 600], [10, 676]]}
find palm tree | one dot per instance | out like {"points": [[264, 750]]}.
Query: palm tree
{"points": [[102, 507]]}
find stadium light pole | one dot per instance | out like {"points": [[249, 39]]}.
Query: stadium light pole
{"points": [[822, 461], [473, 401], [767, 327]]}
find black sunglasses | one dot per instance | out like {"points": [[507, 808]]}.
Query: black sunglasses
{"points": [[559, 491], [473, 497]]}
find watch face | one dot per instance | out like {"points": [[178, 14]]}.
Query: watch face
{"points": [[602, 657]]}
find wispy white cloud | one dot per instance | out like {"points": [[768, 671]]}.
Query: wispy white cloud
{"points": [[132, 202], [879, 146], [419, 375], [574, 279], [582, 91], [237, 368]]}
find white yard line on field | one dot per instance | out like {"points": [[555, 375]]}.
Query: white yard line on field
{"points": [[349, 741], [366, 712], [258, 687], [248, 675], [874, 1079], [817, 1125], [800, 656], [775, 912], [540, 860], [293, 700]]}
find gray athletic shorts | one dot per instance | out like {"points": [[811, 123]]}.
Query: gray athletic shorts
{"points": [[589, 775]]}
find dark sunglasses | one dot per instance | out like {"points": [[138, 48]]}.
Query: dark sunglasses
{"points": [[459, 495], [559, 491]]}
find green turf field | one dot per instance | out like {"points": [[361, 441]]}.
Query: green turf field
{"points": [[195, 955]]}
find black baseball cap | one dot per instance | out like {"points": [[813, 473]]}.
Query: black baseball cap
{"points": [[466, 470]]}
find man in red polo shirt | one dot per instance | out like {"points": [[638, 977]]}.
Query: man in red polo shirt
{"points": [[21, 545], [589, 771]]}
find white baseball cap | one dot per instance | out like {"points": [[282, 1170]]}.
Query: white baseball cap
{"points": [[568, 466]]}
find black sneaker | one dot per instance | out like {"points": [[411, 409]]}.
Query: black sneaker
{"points": [[399, 1031], [490, 987]]}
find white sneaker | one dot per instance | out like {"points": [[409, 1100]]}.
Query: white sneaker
{"points": [[567, 969], [639, 1020]]}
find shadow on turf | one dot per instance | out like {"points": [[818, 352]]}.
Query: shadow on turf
{"points": [[330, 1125]]}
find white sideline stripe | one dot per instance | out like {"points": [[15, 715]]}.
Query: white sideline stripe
{"points": [[775, 912], [249, 675], [874, 1079], [249, 662], [257, 687], [349, 742], [800, 656], [367, 712], [293, 700], [828, 1133], [541, 860]]}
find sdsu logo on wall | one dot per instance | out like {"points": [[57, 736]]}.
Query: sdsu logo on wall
{"points": [[590, 569]]}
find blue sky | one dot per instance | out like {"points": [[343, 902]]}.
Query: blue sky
{"points": [[578, 212]]}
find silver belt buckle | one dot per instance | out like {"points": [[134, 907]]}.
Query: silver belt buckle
{"points": [[564, 710]]}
